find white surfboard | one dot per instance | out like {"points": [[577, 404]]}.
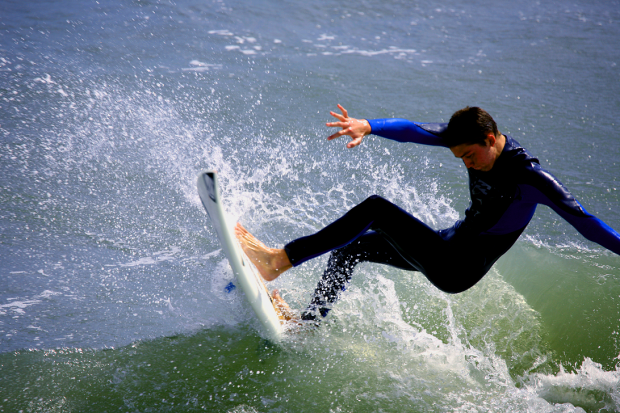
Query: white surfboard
{"points": [[248, 279]]}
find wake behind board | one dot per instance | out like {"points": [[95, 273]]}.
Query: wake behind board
{"points": [[248, 279]]}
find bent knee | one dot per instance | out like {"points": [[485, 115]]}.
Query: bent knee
{"points": [[376, 199], [377, 203]]}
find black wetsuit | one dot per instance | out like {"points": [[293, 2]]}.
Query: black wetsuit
{"points": [[503, 201]]}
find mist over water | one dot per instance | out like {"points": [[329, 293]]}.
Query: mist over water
{"points": [[112, 281]]}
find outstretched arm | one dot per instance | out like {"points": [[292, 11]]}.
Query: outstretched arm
{"points": [[403, 130], [592, 228], [400, 130], [546, 189]]}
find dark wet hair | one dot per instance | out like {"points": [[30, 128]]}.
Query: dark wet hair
{"points": [[470, 125]]}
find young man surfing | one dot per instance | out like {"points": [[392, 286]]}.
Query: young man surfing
{"points": [[506, 183]]}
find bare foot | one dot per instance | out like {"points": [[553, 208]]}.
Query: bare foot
{"points": [[270, 262], [282, 307]]}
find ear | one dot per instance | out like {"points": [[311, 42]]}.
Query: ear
{"points": [[491, 139]]}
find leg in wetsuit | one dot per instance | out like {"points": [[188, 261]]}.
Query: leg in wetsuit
{"points": [[453, 263]]}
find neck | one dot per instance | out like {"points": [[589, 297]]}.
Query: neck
{"points": [[500, 143]]}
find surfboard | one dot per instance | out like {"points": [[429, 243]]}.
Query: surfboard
{"points": [[248, 279]]}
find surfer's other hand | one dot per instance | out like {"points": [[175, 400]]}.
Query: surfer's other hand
{"points": [[355, 128]]}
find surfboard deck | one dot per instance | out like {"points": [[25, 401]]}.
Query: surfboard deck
{"points": [[248, 279]]}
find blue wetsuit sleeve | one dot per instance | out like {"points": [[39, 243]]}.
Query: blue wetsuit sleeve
{"points": [[593, 229], [547, 190], [402, 130]]}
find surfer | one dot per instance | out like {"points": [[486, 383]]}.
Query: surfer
{"points": [[506, 184]]}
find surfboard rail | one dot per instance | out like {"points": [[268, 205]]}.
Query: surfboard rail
{"points": [[248, 279]]}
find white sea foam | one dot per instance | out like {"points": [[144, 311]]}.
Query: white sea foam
{"points": [[156, 258], [589, 386], [222, 32], [198, 66], [369, 334], [17, 306], [372, 53]]}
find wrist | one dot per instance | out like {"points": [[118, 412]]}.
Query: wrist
{"points": [[367, 129]]}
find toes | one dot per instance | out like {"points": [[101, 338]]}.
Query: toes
{"points": [[239, 229]]}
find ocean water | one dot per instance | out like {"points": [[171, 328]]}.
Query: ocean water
{"points": [[112, 282]]}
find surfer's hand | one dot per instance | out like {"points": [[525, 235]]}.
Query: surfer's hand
{"points": [[355, 128]]}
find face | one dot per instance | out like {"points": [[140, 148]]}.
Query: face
{"points": [[475, 156]]}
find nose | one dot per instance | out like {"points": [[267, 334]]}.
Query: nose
{"points": [[468, 163]]}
